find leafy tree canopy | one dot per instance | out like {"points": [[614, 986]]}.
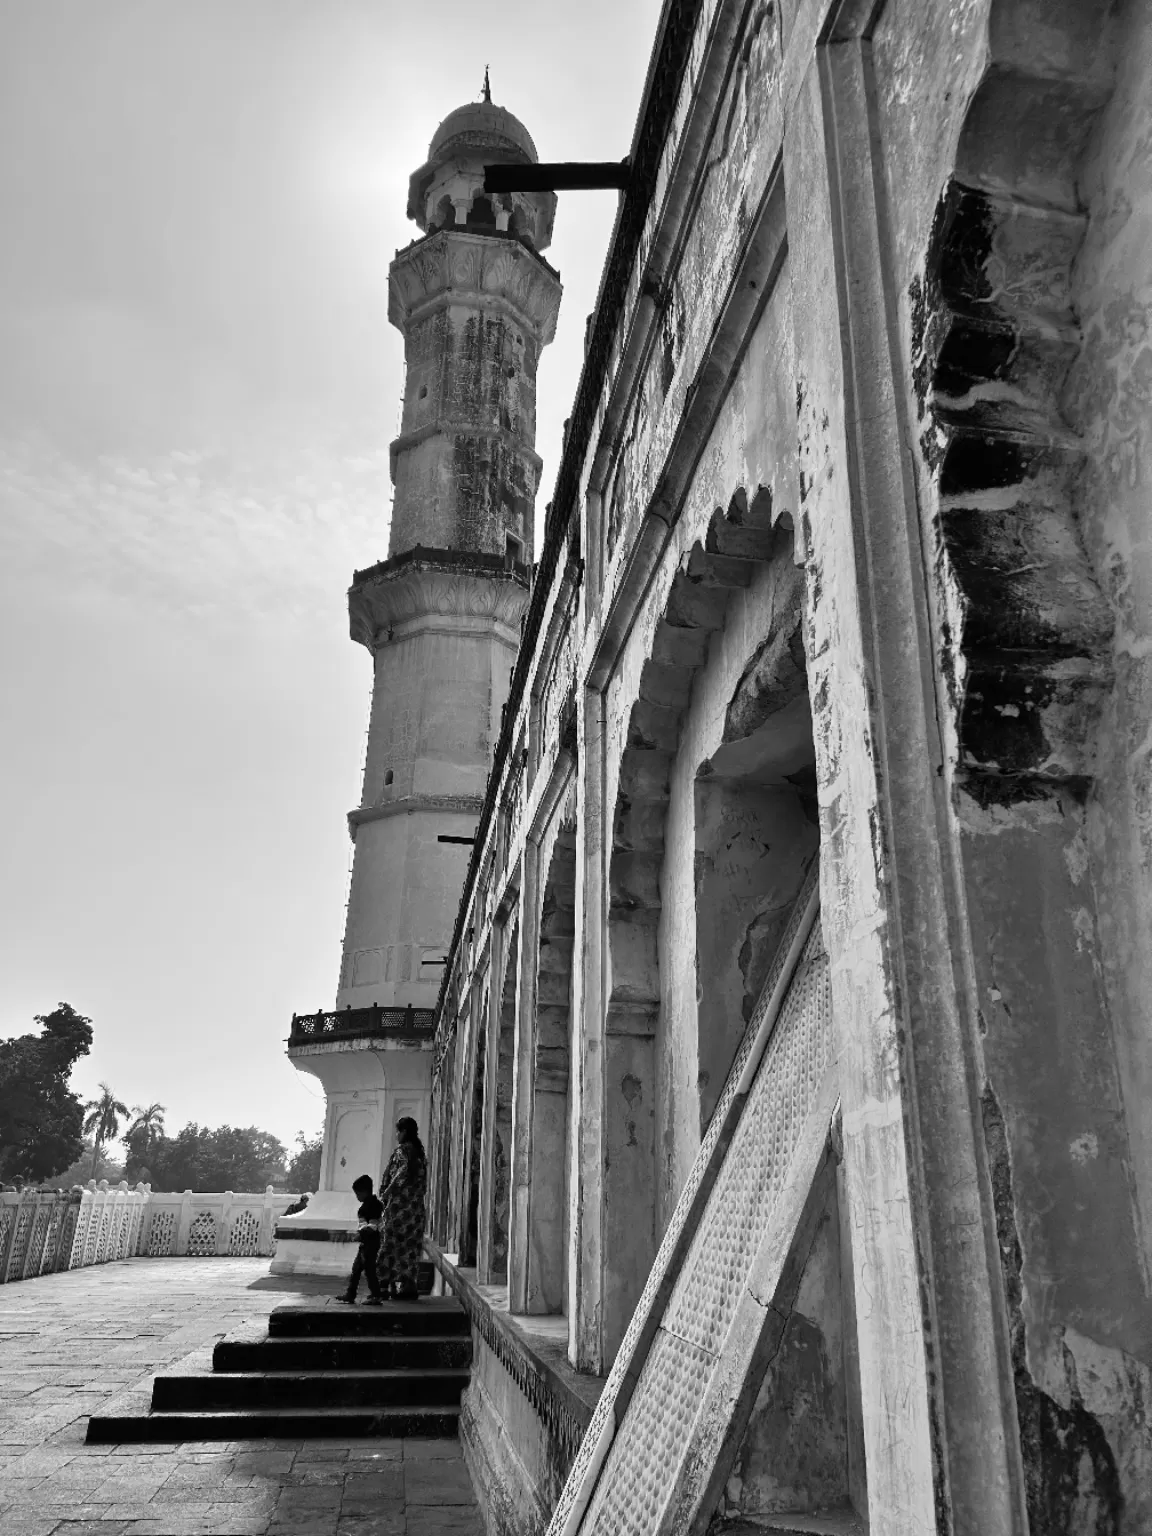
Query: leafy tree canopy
{"points": [[40, 1117], [240, 1158], [304, 1168], [80, 1171]]}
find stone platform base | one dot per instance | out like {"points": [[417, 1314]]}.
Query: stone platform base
{"points": [[525, 1410], [320, 1240]]}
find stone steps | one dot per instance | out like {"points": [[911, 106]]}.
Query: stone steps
{"points": [[274, 1424], [322, 1369], [436, 1315], [221, 1392], [343, 1352]]}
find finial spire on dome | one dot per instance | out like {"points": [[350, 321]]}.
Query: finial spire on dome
{"points": [[487, 87]]}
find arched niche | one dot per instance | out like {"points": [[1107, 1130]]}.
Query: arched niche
{"points": [[740, 544], [551, 1153], [470, 1235], [501, 1165], [756, 832]]}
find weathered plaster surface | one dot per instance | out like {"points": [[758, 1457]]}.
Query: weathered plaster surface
{"points": [[1021, 405], [794, 1453], [741, 159], [1108, 399], [928, 63], [893, 1364], [509, 1451]]}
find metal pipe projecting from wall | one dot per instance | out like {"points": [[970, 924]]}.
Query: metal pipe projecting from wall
{"points": [[559, 176]]}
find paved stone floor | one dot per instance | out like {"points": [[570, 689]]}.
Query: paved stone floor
{"points": [[69, 1342]]}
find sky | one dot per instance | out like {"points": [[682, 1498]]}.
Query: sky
{"points": [[198, 384]]}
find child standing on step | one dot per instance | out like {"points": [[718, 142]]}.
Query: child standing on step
{"points": [[364, 1263]]}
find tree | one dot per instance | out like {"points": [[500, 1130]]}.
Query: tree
{"points": [[40, 1117], [304, 1169], [102, 1121], [144, 1133], [240, 1158], [80, 1171]]}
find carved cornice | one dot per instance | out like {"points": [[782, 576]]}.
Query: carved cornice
{"points": [[379, 603], [464, 265]]}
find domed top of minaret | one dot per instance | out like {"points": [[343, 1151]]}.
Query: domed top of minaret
{"points": [[481, 124], [448, 189]]}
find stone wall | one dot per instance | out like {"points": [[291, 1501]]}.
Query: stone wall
{"points": [[845, 570]]}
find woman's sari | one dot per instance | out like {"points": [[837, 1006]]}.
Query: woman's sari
{"points": [[402, 1228]]}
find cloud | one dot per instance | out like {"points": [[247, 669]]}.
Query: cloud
{"points": [[272, 526]]}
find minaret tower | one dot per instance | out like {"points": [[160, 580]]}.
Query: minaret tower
{"points": [[476, 303]]}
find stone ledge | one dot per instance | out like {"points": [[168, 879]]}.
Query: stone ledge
{"points": [[828, 1522], [563, 1398], [464, 805], [471, 562]]}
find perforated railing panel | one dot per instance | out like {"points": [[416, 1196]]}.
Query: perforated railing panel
{"points": [[754, 1170], [675, 1231], [640, 1472]]}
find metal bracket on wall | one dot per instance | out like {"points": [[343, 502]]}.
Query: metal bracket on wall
{"points": [[559, 176]]}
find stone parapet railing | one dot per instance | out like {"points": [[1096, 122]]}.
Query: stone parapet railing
{"points": [[205, 1226], [371, 1023], [43, 1231]]}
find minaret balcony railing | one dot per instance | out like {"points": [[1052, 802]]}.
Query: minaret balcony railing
{"points": [[362, 1023]]}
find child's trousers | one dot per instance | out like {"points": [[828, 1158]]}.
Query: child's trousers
{"points": [[365, 1263]]}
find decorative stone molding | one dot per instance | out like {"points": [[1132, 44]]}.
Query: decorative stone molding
{"points": [[379, 602], [458, 264], [564, 1414]]}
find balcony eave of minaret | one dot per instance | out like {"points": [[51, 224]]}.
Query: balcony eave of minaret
{"points": [[387, 599], [464, 265]]}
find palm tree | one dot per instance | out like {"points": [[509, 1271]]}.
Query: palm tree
{"points": [[147, 1124], [103, 1121], [146, 1129]]}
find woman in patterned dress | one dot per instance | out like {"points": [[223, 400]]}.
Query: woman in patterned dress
{"points": [[402, 1228]]}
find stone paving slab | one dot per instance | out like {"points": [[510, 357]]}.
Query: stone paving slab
{"points": [[70, 1343]]}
